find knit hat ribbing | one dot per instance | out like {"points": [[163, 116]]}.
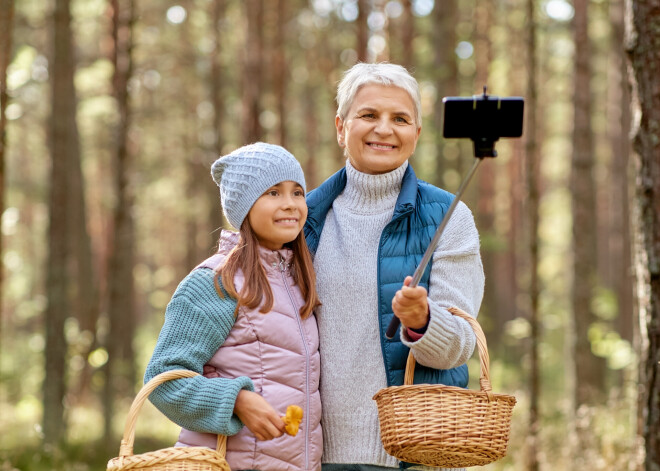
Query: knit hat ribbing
{"points": [[246, 173]]}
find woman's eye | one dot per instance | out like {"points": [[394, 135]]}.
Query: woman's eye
{"points": [[368, 116], [401, 119]]}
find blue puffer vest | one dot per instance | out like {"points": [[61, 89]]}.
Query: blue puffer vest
{"points": [[419, 210]]}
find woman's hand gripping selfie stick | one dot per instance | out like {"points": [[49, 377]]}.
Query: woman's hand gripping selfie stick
{"points": [[395, 322]]}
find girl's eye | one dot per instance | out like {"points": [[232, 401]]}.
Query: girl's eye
{"points": [[272, 193], [298, 193]]}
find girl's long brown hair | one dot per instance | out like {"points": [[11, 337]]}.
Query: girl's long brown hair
{"points": [[245, 256]]}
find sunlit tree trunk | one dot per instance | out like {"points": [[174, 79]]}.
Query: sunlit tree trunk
{"points": [[85, 281], [196, 171], [362, 30], [63, 137], [532, 177], [587, 370], [515, 261], [84, 288], [619, 247], [280, 69], [252, 70], [310, 104], [219, 22], [485, 189], [120, 368], [408, 35], [446, 73], [644, 52], [6, 29]]}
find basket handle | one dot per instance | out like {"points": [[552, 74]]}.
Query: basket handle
{"points": [[484, 358], [126, 448]]}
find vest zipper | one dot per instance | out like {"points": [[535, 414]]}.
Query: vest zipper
{"points": [[304, 341]]}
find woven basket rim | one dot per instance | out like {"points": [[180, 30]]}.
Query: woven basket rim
{"points": [[413, 388], [192, 453]]}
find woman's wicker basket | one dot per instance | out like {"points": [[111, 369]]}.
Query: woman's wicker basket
{"points": [[167, 459], [446, 426]]}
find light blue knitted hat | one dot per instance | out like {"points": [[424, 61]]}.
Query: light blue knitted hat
{"points": [[246, 173]]}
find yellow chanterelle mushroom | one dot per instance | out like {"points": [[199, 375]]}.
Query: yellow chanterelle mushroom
{"points": [[292, 419]]}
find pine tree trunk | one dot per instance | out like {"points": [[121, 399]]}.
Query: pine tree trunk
{"points": [[644, 53], [485, 188], [408, 35], [280, 68], [311, 124], [532, 176], [588, 371], [446, 71], [215, 216], [63, 135], [120, 368], [6, 29], [619, 247], [362, 30], [252, 82]]}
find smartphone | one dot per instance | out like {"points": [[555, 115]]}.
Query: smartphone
{"points": [[483, 116]]}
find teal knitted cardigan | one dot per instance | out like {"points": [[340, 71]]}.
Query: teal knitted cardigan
{"points": [[197, 322]]}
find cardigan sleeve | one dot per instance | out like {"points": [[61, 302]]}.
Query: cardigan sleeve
{"points": [[457, 280], [197, 322]]}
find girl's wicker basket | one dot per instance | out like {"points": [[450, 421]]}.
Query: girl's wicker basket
{"points": [[167, 459], [446, 426]]}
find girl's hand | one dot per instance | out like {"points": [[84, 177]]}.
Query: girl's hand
{"points": [[258, 416], [411, 305]]}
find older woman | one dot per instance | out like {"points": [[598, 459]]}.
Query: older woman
{"points": [[368, 226]]}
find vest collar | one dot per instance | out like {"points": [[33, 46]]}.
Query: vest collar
{"points": [[320, 200]]}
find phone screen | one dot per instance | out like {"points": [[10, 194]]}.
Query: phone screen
{"points": [[480, 117]]}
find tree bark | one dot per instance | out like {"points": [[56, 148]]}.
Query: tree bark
{"points": [[446, 73], [485, 188], [587, 370], [252, 72], [280, 69], [644, 53], [532, 176], [362, 31], [6, 29], [618, 251], [120, 368], [408, 35], [63, 137], [216, 218]]}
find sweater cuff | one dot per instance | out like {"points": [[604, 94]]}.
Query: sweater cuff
{"points": [[413, 335], [416, 334], [448, 341]]}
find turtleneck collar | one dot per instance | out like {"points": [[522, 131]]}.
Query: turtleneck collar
{"points": [[370, 194]]}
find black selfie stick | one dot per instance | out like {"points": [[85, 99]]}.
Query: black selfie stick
{"points": [[483, 147]]}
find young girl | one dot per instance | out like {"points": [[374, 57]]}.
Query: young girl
{"points": [[244, 318]]}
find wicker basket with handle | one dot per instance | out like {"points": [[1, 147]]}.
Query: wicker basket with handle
{"points": [[446, 426], [166, 459]]}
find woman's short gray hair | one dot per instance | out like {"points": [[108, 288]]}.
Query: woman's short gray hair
{"points": [[383, 74]]}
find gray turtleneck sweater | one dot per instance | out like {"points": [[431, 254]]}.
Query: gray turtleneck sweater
{"points": [[352, 368]]}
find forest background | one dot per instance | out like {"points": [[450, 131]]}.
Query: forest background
{"points": [[113, 110]]}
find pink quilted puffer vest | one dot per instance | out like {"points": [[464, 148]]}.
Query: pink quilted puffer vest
{"points": [[280, 353]]}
